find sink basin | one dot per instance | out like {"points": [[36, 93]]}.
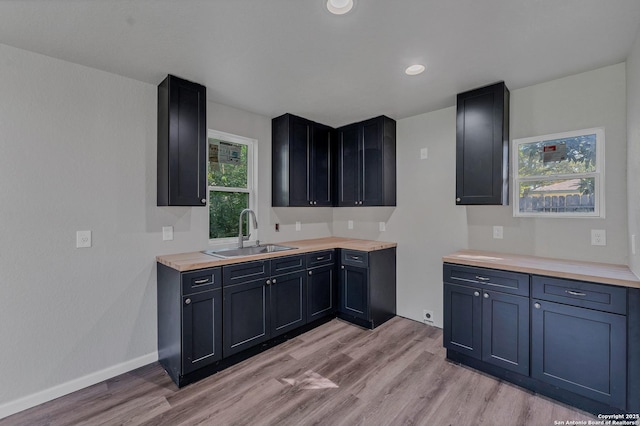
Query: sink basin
{"points": [[247, 251]]}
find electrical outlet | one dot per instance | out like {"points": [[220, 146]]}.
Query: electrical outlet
{"points": [[427, 316], [277, 227], [498, 232], [167, 233], [598, 237], [298, 226], [83, 239], [424, 153], [382, 226], [350, 224]]}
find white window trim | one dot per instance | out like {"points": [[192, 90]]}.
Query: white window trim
{"points": [[252, 184], [599, 175]]}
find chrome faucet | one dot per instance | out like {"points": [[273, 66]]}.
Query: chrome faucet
{"points": [[241, 237]]}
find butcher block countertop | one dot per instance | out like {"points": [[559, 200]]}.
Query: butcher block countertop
{"points": [[198, 260], [604, 273]]}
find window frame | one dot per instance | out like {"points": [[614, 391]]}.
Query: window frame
{"points": [[252, 182], [598, 175]]}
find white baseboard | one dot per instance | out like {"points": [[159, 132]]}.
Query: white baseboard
{"points": [[46, 395]]}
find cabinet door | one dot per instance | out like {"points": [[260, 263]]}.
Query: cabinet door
{"points": [[505, 331], [320, 292], [580, 350], [182, 143], [482, 146], [322, 166], [372, 171], [463, 320], [299, 161], [288, 307], [349, 153], [354, 292], [201, 329], [246, 316]]}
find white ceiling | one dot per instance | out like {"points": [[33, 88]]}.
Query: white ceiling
{"points": [[277, 56]]}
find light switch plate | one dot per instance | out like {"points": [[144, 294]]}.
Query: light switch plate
{"points": [[382, 226], [298, 226], [83, 239], [424, 153], [167, 233], [350, 224]]}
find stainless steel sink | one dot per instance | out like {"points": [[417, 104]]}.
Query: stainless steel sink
{"points": [[247, 251]]}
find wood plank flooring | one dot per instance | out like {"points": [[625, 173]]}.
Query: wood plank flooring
{"points": [[394, 375]]}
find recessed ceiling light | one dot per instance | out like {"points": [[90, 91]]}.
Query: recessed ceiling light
{"points": [[415, 69], [339, 7]]}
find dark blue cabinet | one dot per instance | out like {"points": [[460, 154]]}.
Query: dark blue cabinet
{"points": [[182, 143], [321, 285], [367, 163], [505, 331], [303, 171], [367, 286], [482, 146], [574, 341], [487, 325], [579, 349], [189, 320], [262, 299]]}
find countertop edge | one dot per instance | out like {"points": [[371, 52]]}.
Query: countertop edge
{"points": [[190, 261], [602, 273]]}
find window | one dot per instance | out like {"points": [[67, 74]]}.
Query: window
{"points": [[232, 188], [560, 175]]}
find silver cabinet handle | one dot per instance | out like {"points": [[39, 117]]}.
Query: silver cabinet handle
{"points": [[355, 257], [342, 267], [273, 281], [486, 295], [268, 282], [458, 200], [320, 258], [202, 281], [310, 272], [476, 293], [482, 278], [203, 200], [356, 203], [537, 305], [187, 302], [575, 293]]}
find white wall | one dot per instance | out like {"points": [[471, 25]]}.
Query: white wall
{"points": [[633, 147], [426, 224], [591, 99]]}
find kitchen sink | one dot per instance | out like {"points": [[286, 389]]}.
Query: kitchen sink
{"points": [[247, 251]]}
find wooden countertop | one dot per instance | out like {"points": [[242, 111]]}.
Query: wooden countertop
{"points": [[198, 260], [604, 273]]}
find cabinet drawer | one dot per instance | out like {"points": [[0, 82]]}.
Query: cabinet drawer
{"points": [[579, 293], [242, 272], [318, 258], [201, 280], [491, 279], [355, 258], [283, 265]]}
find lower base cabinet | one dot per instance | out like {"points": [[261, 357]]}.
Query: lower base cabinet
{"points": [[367, 286], [583, 344], [212, 318]]}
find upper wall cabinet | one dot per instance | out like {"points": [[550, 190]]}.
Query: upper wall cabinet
{"points": [[303, 170], [482, 146], [367, 163], [182, 143]]}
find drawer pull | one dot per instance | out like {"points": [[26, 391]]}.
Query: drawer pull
{"points": [[320, 258], [575, 293], [537, 305], [355, 257], [202, 281], [482, 278]]}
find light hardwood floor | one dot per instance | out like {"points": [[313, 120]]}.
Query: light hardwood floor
{"points": [[394, 375]]}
